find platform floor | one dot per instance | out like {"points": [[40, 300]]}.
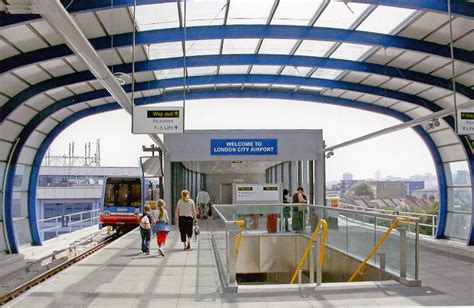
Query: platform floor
{"points": [[120, 276]]}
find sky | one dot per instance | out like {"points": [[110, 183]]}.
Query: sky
{"points": [[402, 153]]}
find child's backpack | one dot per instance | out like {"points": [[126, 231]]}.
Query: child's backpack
{"points": [[145, 222]]}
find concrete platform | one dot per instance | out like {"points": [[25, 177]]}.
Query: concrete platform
{"points": [[120, 276]]}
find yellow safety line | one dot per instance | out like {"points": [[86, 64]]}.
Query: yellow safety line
{"points": [[380, 242], [323, 223], [241, 224]]}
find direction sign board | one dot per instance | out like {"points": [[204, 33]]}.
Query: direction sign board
{"points": [[465, 122], [157, 120]]}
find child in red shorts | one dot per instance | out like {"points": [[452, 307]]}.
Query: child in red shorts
{"points": [[161, 227]]}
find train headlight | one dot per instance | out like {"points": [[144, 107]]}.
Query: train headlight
{"points": [[106, 213]]}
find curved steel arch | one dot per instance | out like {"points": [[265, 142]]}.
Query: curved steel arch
{"points": [[457, 7], [223, 94], [195, 61], [241, 31]]}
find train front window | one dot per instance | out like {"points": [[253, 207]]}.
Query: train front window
{"points": [[109, 195], [122, 195], [135, 195]]}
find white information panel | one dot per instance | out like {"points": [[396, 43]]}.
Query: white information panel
{"points": [[256, 193], [466, 122], [157, 120]]}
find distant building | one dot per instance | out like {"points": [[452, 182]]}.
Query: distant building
{"points": [[377, 175], [347, 176], [462, 178], [397, 189], [426, 193]]}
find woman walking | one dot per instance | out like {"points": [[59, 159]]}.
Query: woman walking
{"points": [[161, 227], [186, 216]]}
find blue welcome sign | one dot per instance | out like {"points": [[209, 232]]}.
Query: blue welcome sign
{"points": [[244, 146]]}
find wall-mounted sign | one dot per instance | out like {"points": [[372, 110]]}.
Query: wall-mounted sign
{"points": [[157, 120], [256, 193], [244, 146], [465, 122]]}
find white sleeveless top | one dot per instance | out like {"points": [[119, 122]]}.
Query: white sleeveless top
{"points": [[186, 208]]}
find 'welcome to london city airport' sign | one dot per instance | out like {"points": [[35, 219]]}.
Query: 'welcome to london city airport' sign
{"points": [[244, 146]]}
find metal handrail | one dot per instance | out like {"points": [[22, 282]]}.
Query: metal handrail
{"points": [[241, 224], [379, 243], [59, 221], [61, 216], [323, 223]]}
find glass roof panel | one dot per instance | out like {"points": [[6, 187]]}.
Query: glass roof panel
{"points": [[350, 51], [276, 46], [384, 19], [233, 69], [157, 16], [203, 47], [265, 69], [326, 73], [204, 12], [313, 48], [239, 46], [172, 73], [165, 50], [249, 12], [340, 15], [202, 70], [295, 12], [300, 71]]}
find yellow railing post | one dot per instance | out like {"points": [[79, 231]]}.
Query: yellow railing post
{"points": [[379, 243], [323, 223], [241, 224]]}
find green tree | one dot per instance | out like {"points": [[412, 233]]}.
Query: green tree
{"points": [[363, 189]]}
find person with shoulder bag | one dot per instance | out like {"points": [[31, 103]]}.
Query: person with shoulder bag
{"points": [[186, 217], [146, 223]]}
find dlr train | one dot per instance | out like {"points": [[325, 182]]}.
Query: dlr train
{"points": [[123, 200]]}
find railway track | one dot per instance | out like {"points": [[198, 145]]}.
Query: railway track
{"points": [[4, 298]]}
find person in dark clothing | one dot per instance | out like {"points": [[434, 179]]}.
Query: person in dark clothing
{"points": [[146, 222], [298, 211], [286, 209]]}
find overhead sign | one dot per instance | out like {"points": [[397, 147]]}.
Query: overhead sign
{"points": [[256, 193], [244, 146], [157, 120], [465, 122]]}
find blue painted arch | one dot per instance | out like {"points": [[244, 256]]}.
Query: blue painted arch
{"points": [[236, 32], [196, 61], [218, 94], [459, 8]]}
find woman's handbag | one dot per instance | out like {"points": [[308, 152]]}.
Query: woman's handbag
{"points": [[196, 229]]}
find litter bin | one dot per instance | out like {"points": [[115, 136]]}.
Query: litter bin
{"points": [[272, 223]]}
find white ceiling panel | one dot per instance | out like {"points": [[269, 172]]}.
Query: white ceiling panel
{"points": [[47, 32], [77, 63], [386, 102], [90, 25], [96, 84], [9, 130], [375, 80], [407, 59], [203, 47], [57, 67], [97, 102], [355, 77], [295, 12], [384, 55], [313, 48], [300, 71], [22, 114], [448, 101], [27, 156], [233, 69], [62, 114], [403, 106], [349, 51], [443, 137], [33, 74], [144, 76], [452, 153], [5, 148], [157, 16], [78, 107], [415, 88], [23, 38], [395, 83], [434, 93], [239, 46], [3, 99], [465, 42], [39, 102], [351, 95], [265, 69], [127, 54], [202, 70], [430, 64], [460, 27], [418, 112], [79, 88], [204, 13], [334, 92], [35, 140], [59, 93], [275, 46], [340, 14], [6, 50], [110, 57], [116, 21], [326, 73], [446, 71], [368, 98], [171, 73], [249, 12], [467, 78], [384, 19], [424, 25], [166, 50], [11, 85], [47, 125]]}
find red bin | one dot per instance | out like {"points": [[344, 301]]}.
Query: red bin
{"points": [[272, 223]]}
